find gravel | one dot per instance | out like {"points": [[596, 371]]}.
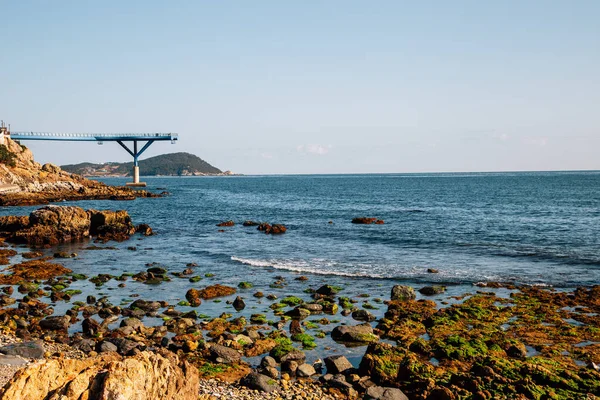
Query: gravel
{"points": [[214, 389]]}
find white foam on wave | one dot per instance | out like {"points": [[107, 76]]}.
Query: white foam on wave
{"points": [[303, 266]]}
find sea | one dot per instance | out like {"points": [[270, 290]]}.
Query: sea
{"points": [[532, 228]]}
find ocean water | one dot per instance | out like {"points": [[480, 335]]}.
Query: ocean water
{"points": [[525, 228]]}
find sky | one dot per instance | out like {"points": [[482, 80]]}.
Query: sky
{"points": [[337, 86]]}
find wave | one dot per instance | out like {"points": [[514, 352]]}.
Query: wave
{"points": [[296, 267]]}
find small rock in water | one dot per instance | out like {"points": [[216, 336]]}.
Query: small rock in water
{"points": [[432, 290], [239, 303], [401, 292]]}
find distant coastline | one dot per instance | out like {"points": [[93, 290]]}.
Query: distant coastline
{"points": [[173, 164]]}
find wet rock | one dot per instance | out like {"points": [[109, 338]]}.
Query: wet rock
{"points": [[274, 229], [193, 297], [224, 355], [314, 308], [90, 327], [432, 290], [363, 220], [30, 270], [337, 364], [213, 291], [362, 333], [261, 382], [226, 223], [56, 323], [295, 327], [384, 393], [147, 306], [111, 225], [134, 323], [328, 290], [146, 376], [298, 313], [144, 229], [239, 304], [401, 292], [363, 315], [24, 349]]}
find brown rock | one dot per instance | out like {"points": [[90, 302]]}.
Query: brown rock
{"points": [[213, 291], [144, 376], [193, 297], [226, 223], [363, 220], [34, 269]]}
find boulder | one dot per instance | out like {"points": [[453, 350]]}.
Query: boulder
{"points": [[337, 364], [193, 297], [363, 315], [401, 292], [362, 333], [56, 323], [261, 382], [224, 355], [305, 371], [145, 376], [111, 225], [328, 290], [384, 393], [239, 304], [213, 291]]}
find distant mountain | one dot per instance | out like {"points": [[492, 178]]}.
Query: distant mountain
{"points": [[174, 164]]}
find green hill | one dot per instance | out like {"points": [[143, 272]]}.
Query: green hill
{"points": [[175, 164]]}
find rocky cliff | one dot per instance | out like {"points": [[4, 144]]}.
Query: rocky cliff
{"points": [[23, 181]]}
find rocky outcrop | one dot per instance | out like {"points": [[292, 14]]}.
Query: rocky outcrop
{"points": [[144, 376], [42, 184], [213, 291], [33, 269], [51, 225], [274, 229]]}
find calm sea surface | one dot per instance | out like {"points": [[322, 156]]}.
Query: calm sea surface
{"points": [[532, 228]]}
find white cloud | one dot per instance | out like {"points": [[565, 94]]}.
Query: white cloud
{"points": [[266, 156], [316, 149]]}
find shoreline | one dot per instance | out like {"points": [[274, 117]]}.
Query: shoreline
{"points": [[427, 341]]}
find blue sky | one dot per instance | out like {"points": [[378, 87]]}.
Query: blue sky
{"points": [[311, 86]]}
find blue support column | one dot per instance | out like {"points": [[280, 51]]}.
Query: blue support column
{"points": [[136, 154]]}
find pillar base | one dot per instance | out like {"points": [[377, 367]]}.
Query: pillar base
{"points": [[136, 184]]}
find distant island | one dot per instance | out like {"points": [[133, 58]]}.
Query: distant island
{"points": [[173, 164]]}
